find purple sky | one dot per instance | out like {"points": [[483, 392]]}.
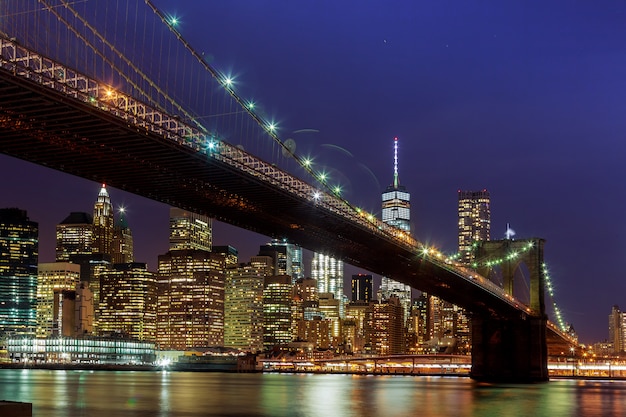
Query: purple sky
{"points": [[524, 98]]}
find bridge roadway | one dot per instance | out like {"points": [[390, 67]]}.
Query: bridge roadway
{"points": [[58, 118]]}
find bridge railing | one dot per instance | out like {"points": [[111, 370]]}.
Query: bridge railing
{"points": [[23, 62]]}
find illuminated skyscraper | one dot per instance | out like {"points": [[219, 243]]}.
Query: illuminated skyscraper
{"points": [[103, 223], [332, 309], [306, 304], [189, 230], [328, 272], [397, 213], [243, 307], [190, 306], [396, 200], [616, 329], [19, 251], [74, 236], [287, 258], [474, 220], [357, 327], [388, 327], [277, 294], [128, 301], [54, 276]]}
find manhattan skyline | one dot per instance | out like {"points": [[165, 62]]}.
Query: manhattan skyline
{"points": [[523, 99]]}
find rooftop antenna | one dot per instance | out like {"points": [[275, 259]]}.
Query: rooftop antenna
{"points": [[396, 182]]}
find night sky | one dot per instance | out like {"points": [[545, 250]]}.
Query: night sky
{"points": [[523, 98]]}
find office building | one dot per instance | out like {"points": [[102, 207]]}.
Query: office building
{"points": [[74, 236], [19, 253], [243, 307], [328, 272], [287, 258], [190, 288], [357, 327], [388, 327], [305, 304], [277, 295], [190, 230], [616, 329], [362, 289], [231, 255], [332, 309], [128, 302], [396, 211], [474, 220], [54, 278]]}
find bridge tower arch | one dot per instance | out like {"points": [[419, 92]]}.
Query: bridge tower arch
{"points": [[509, 255], [511, 348]]}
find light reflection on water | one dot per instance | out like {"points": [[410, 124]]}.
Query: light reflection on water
{"points": [[165, 394]]}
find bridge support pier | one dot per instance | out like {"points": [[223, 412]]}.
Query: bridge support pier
{"points": [[509, 350]]}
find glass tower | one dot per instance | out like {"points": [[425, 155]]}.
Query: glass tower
{"points": [[397, 213], [19, 253]]}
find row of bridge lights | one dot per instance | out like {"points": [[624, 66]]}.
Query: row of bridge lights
{"points": [[228, 82]]}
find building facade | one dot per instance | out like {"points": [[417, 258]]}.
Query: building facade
{"points": [[53, 278], [474, 212], [190, 230], [277, 296], [190, 299], [362, 288], [396, 211], [287, 258], [19, 254], [243, 307], [103, 223], [128, 302], [74, 236]]}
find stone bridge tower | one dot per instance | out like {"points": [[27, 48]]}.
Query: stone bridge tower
{"points": [[511, 348]]}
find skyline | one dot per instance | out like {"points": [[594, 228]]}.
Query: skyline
{"points": [[521, 99]]}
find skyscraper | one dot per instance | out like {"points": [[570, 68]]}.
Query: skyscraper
{"points": [[189, 230], [103, 223], [474, 220], [616, 330], [128, 301], [328, 272], [388, 327], [287, 258], [397, 213], [277, 294], [396, 200], [74, 236], [362, 287], [190, 293], [53, 276], [19, 252], [243, 307]]}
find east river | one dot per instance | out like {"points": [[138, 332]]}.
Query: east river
{"points": [[188, 394]]}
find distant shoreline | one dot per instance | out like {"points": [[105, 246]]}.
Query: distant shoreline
{"points": [[155, 368]]}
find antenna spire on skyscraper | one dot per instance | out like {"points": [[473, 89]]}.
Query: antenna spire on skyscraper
{"points": [[396, 181]]}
